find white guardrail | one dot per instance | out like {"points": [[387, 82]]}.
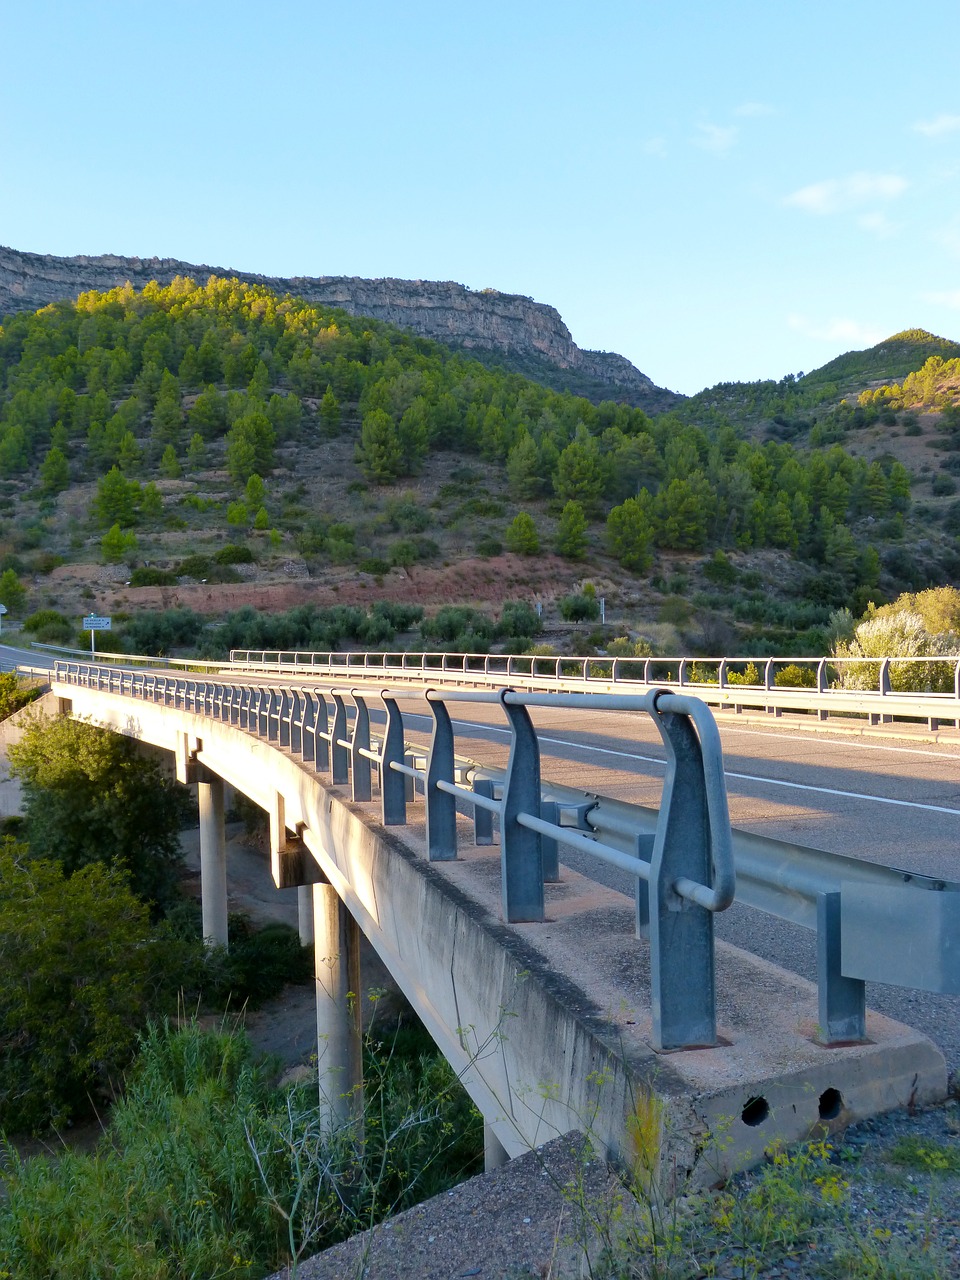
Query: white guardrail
{"points": [[719, 682]]}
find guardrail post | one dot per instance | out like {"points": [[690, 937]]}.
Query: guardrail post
{"points": [[393, 792], [339, 759], [286, 715], [483, 818], [842, 1001], [297, 704], [681, 932], [549, 848], [521, 858], [644, 850], [360, 742], [308, 728], [321, 735], [440, 805]]}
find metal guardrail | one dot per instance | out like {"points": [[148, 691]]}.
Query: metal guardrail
{"points": [[824, 696], [873, 922], [687, 875]]}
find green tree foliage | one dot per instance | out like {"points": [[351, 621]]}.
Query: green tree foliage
{"points": [[925, 625], [167, 412], [15, 691], [170, 467], [631, 531], [117, 500], [571, 539], [521, 535], [116, 544], [379, 454], [250, 444], [196, 453], [12, 591], [54, 472], [579, 475], [208, 414], [81, 971], [89, 797], [330, 412]]}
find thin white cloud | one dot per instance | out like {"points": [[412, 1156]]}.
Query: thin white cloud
{"points": [[945, 298], [839, 195], [837, 330], [717, 138], [948, 238], [879, 224], [754, 109], [938, 126]]}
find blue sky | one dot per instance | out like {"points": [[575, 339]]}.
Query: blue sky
{"points": [[718, 191]]}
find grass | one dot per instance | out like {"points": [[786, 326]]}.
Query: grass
{"points": [[207, 1170]]}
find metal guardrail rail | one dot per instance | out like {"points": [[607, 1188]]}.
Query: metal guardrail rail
{"points": [[825, 696], [873, 922]]}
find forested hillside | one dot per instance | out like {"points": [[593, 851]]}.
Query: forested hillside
{"points": [[221, 431]]}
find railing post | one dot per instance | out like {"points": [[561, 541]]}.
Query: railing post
{"points": [[842, 1001], [339, 759], [286, 715], [321, 735], [521, 859], [393, 792], [681, 932], [360, 742], [483, 818], [441, 807], [297, 703], [308, 728]]}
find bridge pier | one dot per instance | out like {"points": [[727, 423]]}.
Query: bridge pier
{"points": [[305, 914], [495, 1154], [213, 859], [337, 968]]}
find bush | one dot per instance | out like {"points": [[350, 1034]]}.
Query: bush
{"points": [[579, 608], [517, 618], [15, 692], [150, 577], [793, 676], [89, 797], [489, 547], [233, 554], [49, 627], [81, 971]]}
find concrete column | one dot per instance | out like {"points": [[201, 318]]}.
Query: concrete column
{"points": [[337, 951], [494, 1152], [213, 860], [305, 913]]}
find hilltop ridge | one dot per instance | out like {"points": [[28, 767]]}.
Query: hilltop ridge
{"points": [[527, 337]]}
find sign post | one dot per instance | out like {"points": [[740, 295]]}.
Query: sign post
{"points": [[3, 610], [93, 624]]}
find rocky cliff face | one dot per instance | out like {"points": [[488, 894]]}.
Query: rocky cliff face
{"points": [[523, 334]]}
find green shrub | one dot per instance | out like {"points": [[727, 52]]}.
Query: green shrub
{"points": [[233, 554], [579, 608], [489, 547], [147, 576], [15, 692], [793, 676], [82, 969]]}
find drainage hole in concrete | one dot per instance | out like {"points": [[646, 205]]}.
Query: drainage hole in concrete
{"points": [[755, 1112], [831, 1104]]}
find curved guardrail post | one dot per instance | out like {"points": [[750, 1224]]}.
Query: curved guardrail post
{"points": [[339, 758], [681, 931], [297, 703], [359, 743], [321, 734], [286, 717], [521, 858], [440, 806], [308, 728], [393, 791]]}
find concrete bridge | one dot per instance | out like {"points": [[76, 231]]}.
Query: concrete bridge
{"points": [[560, 1003]]}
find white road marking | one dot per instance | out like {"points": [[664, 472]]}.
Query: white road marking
{"points": [[833, 742], [741, 777]]}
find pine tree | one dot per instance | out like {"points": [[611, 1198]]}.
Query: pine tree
{"points": [[571, 540], [521, 536], [379, 453]]}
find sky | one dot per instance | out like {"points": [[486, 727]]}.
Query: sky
{"points": [[719, 191]]}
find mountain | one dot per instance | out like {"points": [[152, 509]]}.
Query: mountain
{"points": [[890, 360], [497, 328]]}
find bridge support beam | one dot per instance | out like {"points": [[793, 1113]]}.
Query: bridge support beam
{"points": [[213, 859], [495, 1154], [337, 952]]}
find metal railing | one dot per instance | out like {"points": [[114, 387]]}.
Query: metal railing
{"points": [[685, 877], [872, 922], [718, 681]]}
